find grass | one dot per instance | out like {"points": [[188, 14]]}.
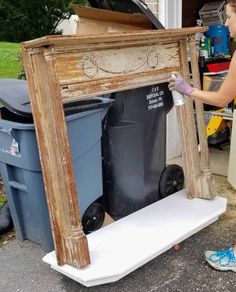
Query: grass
{"points": [[9, 68], [9, 60], [2, 200], [2, 194]]}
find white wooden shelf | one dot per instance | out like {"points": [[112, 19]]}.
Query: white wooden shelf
{"points": [[125, 245]]}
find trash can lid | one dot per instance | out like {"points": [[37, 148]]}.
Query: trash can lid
{"points": [[127, 6], [15, 97]]}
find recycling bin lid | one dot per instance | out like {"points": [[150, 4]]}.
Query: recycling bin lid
{"points": [[127, 6], [15, 97]]}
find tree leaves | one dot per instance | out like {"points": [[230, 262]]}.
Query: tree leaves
{"points": [[28, 19]]}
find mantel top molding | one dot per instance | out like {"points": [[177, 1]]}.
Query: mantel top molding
{"points": [[68, 40]]}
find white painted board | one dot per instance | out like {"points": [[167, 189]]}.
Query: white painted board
{"points": [[232, 154], [125, 245]]}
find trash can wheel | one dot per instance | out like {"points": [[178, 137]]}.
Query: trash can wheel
{"points": [[93, 218], [172, 180]]}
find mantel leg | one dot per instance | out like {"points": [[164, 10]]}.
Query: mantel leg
{"points": [[69, 240], [206, 182]]}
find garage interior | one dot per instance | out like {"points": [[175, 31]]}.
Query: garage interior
{"points": [[219, 154]]}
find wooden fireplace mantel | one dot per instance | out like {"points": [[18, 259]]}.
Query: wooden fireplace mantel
{"points": [[65, 68]]}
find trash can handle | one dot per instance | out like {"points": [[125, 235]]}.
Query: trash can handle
{"points": [[8, 131], [17, 185], [14, 149], [144, 4]]}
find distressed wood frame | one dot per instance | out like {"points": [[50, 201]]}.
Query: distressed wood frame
{"points": [[65, 68]]}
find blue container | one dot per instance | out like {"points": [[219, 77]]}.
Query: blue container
{"points": [[22, 177], [219, 35]]}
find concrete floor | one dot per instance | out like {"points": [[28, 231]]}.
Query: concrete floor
{"points": [[183, 270], [219, 160]]}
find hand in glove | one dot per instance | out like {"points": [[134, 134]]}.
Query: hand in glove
{"points": [[177, 82]]}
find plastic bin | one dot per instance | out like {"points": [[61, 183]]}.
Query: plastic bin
{"points": [[134, 146], [219, 35], [22, 176], [213, 13], [218, 67]]}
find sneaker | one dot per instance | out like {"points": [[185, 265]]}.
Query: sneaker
{"points": [[223, 260]]}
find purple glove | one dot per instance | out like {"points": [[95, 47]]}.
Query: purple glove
{"points": [[177, 82]]}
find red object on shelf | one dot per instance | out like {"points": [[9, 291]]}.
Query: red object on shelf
{"points": [[217, 67]]}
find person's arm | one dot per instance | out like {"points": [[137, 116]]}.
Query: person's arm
{"points": [[225, 93], [222, 97], [210, 97]]}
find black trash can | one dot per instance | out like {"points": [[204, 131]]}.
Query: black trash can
{"points": [[134, 140], [127, 6], [134, 150]]}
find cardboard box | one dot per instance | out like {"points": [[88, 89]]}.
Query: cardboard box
{"points": [[98, 21], [213, 82], [213, 13]]}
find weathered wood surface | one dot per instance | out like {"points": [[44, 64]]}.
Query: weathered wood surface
{"points": [[69, 239], [62, 68], [206, 184], [188, 130], [87, 66], [200, 182], [109, 69], [130, 37]]}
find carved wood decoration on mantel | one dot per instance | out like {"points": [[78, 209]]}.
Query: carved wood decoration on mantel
{"points": [[65, 68]]}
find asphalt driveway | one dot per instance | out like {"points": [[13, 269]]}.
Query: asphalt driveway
{"points": [[22, 270]]}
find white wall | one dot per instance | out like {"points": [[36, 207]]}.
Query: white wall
{"points": [[153, 6], [68, 26], [170, 15]]}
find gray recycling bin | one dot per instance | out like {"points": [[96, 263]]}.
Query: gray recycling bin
{"points": [[21, 169]]}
